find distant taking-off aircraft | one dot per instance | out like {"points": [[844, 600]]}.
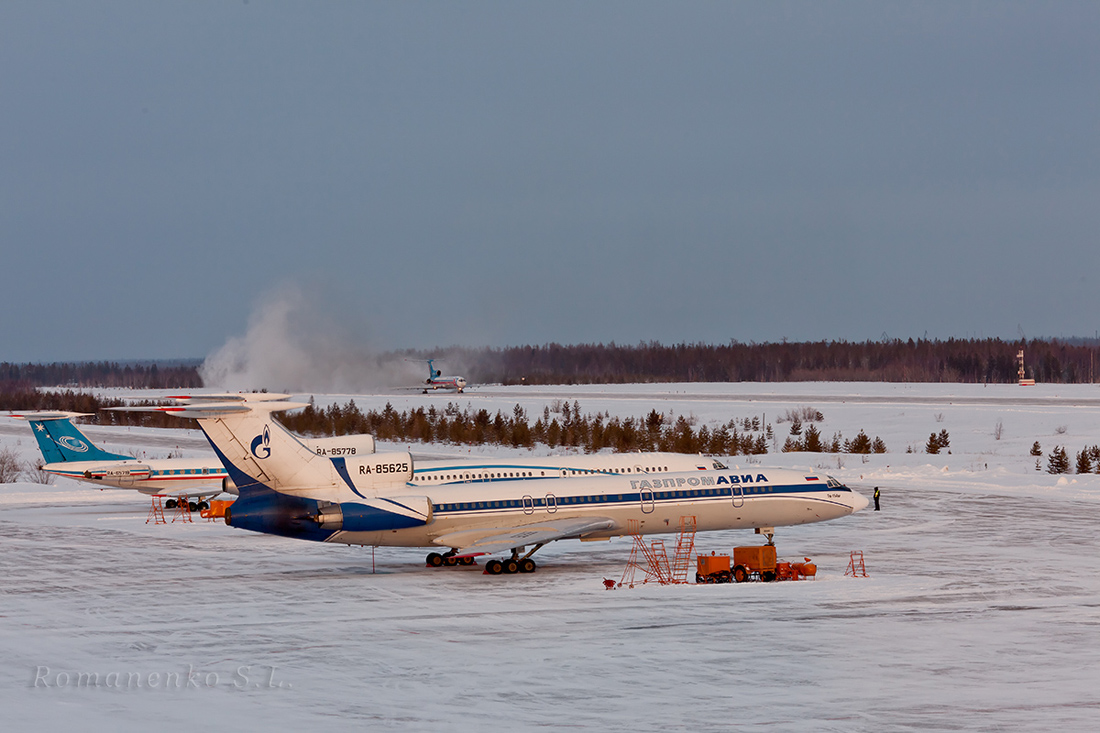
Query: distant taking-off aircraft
{"points": [[436, 380]]}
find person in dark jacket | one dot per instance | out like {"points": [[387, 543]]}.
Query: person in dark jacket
{"points": [[876, 498]]}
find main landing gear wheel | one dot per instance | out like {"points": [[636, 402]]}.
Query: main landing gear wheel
{"points": [[510, 566], [170, 504], [435, 560]]}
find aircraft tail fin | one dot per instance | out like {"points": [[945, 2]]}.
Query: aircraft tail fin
{"points": [[60, 441], [259, 454]]}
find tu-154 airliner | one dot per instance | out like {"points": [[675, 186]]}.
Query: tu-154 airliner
{"points": [[437, 381], [286, 489]]}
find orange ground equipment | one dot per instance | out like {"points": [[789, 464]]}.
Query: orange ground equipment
{"points": [[755, 560], [183, 511], [750, 563], [216, 510], [656, 565], [156, 511], [856, 568], [713, 569], [795, 570]]}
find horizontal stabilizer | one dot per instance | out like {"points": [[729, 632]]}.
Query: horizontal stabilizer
{"points": [[48, 415], [231, 397], [216, 409]]}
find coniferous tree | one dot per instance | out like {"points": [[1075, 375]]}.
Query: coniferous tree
{"points": [[684, 438], [702, 438], [1036, 450], [944, 439], [1058, 461], [553, 433], [860, 444], [811, 442], [933, 444], [1084, 461], [719, 442]]}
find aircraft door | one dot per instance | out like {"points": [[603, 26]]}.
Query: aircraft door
{"points": [[738, 495], [551, 503], [646, 496], [528, 504]]}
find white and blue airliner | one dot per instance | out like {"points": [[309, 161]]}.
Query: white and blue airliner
{"points": [[286, 489]]}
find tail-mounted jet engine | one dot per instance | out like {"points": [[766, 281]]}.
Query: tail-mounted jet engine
{"points": [[293, 516], [376, 515]]}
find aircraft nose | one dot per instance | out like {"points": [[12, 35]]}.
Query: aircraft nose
{"points": [[859, 501]]}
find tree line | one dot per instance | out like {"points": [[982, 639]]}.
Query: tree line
{"points": [[559, 425], [889, 360], [1088, 459], [147, 375]]}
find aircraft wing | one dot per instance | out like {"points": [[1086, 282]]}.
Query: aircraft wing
{"points": [[490, 540]]}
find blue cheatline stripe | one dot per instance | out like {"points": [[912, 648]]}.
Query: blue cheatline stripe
{"points": [[162, 475], [431, 472], [562, 503]]}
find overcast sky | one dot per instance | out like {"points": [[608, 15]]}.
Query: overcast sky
{"points": [[428, 174]]}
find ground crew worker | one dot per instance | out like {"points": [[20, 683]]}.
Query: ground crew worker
{"points": [[876, 498]]}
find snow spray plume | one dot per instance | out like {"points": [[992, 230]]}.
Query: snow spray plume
{"points": [[291, 345]]}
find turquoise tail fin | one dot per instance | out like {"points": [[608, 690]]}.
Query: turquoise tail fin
{"points": [[60, 441]]}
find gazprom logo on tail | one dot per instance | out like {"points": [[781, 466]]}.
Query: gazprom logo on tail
{"points": [[261, 444], [76, 445]]}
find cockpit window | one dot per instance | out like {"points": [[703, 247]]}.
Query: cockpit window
{"points": [[718, 465], [834, 484]]}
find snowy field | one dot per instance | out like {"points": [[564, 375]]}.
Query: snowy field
{"points": [[981, 612]]}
